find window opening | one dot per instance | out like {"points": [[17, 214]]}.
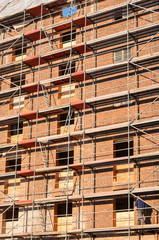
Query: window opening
{"points": [[11, 165], [118, 15], [67, 39], [9, 214], [67, 90], [61, 209], [14, 129], [121, 212], [63, 157], [19, 53], [16, 82], [121, 171]]}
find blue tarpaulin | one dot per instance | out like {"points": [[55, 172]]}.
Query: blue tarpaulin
{"points": [[66, 12]]}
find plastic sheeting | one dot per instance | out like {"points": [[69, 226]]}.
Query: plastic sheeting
{"points": [[10, 7]]}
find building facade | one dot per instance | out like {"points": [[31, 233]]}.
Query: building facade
{"points": [[79, 120]]}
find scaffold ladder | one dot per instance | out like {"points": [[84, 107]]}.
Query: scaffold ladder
{"points": [[41, 217], [66, 182], [46, 96], [44, 155], [67, 121]]}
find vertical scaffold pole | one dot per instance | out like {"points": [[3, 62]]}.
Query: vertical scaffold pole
{"points": [[33, 196]]}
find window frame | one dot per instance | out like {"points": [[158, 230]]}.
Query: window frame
{"points": [[119, 55]]}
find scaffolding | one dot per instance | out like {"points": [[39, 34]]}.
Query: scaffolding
{"points": [[79, 120]]}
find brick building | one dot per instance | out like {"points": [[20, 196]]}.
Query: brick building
{"points": [[79, 119]]}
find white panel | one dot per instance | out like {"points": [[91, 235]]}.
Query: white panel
{"points": [[12, 191], [66, 89], [16, 101], [16, 138], [61, 223], [65, 129], [122, 172], [68, 44], [122, 219], [18, 58], [63, 179]]}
